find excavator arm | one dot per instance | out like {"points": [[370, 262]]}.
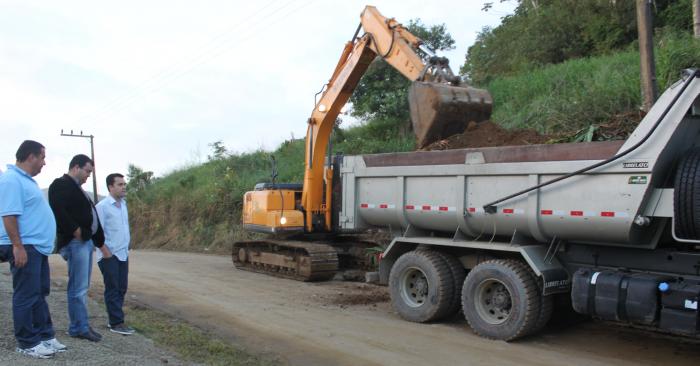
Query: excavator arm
{"points": [[386, 38]]}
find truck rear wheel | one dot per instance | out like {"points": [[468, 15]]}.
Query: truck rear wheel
{"points": [[545, 315], [500, 299], [686, 196], [458, 276], [420, 285]]}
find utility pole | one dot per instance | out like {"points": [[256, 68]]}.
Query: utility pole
{"points": [[696, 18], [92, 156], [649, 88]]}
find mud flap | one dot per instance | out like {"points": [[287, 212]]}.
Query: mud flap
{"points": [[555, 277]]}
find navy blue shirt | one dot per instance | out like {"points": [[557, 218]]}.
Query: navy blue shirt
{"points": [[20, 196]]}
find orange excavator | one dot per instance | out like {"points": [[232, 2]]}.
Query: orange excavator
{"points": [[300, 214]]}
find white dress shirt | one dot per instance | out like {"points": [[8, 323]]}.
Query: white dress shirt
{"points": [[115, 223]]}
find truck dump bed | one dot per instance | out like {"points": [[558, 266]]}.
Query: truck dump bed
{"points": [[446, 191]]}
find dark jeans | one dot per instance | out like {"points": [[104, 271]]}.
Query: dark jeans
{"points": [[31, 284], [116, 277], [78, 255]]}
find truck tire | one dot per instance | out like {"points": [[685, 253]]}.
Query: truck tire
{"points": [[686, 196], [501, 300], [420, 286], [545, 315], [546, 308], [458, 275]]}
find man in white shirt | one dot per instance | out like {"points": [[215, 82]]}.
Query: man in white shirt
{"points": [[115, 269]]}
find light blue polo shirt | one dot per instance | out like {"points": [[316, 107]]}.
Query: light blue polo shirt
{"points": [[20, 196]]}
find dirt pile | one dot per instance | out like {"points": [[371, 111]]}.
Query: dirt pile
{"points": [[619, 126], [487, 134], [357, 294], [490, 134]]}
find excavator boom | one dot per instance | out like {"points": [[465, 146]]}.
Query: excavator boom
{"points": [[440, 104]]}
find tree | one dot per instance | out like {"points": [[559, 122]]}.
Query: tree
{"points": [[218, 150], [552, 31], [382, 93], [138, 178]]}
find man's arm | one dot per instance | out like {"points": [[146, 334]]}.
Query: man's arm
{"points": [[101, 217], [12, 229]]}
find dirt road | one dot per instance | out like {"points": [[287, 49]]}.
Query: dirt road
{"points": [[341, 323]]}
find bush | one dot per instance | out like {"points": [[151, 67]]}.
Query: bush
{"points": [[567, 96]]}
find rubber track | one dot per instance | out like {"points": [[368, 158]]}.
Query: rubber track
{"points": [[522, 272], [323, 258]]}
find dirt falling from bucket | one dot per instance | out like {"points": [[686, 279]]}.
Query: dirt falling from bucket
{"points": [[487, 134]]}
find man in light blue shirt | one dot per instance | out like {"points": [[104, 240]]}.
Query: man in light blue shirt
{"points": [[114, 217], [27, 237]]}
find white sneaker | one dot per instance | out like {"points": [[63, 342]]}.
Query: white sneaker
{"points": [[38, 351], [55, 345]]}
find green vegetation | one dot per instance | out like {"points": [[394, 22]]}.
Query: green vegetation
{"points": [[188, 342], [568, 95], [382, 93], [574, 94], [545, 32], [545, 68]]}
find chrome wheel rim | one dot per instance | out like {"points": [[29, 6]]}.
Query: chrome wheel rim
{"points": [[414, 287], [493, 301]]}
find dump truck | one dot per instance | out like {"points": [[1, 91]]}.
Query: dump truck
{"points": [[499, 232]]}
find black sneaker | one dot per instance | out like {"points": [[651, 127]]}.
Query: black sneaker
{"points": [[90, 336], [122, 329], [98, 335]]}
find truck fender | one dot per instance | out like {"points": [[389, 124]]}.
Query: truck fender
{"points": [[389, 257], [555, 278]]}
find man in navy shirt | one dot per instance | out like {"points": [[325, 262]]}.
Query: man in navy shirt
{"points": [[27, 238]]}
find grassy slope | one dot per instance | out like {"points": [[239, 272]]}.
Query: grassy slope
{"points": [[198, 208]]}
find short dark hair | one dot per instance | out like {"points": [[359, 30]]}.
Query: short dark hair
{"points": [[112, 177], [80, 160], [28, 147]]}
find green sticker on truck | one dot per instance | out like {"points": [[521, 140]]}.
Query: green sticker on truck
{"points": [[637, 179]]}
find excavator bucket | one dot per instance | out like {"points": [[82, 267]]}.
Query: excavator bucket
{"points": [[441, 110]]}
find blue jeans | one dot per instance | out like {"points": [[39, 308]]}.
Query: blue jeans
{"points": [[31, 284], [116, 275], [78, 254]]}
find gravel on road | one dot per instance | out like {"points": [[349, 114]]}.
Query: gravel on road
{"points": [[114, 349]]}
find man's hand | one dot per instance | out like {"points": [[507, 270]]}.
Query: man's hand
{"points": [[105, 252], [78, 234], [20, 255], [12, 229]]}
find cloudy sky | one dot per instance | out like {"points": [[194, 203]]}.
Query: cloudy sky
{"points": [[156, 81]]}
